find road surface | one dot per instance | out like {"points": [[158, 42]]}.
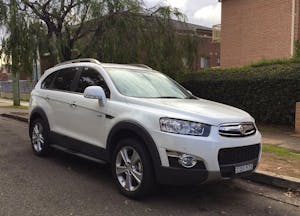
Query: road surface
{"points": [[65, 185]]}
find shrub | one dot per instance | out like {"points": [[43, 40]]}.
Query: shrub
{"points": [[267, 92]]}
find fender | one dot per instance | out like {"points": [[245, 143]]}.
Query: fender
{"points": [[38, 111], [141, 132]]}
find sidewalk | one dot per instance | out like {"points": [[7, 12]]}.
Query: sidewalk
{"points": [[7, 102], [280, 136], [6, 107]]}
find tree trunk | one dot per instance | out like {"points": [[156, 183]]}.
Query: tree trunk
{"points": [[16, 84], [15, 71]]}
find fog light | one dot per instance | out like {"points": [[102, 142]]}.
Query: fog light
{"points": [[187, 161]]}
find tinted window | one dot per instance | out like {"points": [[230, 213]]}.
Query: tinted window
{"points": [[46, 84], [90, 77], [64, 79]]}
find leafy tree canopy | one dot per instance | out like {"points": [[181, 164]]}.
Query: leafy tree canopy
{"points": [[122, 31]]}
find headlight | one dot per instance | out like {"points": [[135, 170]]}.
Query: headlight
{"points": [[184, 127]]}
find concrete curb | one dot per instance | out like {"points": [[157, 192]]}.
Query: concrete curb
{"points": [[272, 179], [19, 118], [264, 177]]}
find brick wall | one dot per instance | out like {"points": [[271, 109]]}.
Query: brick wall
{"points": [[297, 20], [256, 29], [210, 50]]}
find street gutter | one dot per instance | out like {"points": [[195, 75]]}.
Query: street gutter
{"points": [[275, 180], [16, 117]]}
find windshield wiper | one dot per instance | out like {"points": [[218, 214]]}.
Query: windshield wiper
{"points": [[170, 97], [191, 97]]}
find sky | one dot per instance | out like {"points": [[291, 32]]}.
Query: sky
{"points": [[201, 12]]}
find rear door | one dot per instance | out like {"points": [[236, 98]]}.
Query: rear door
{"points": [[61, 100]]}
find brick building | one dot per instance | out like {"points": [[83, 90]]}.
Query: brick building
{"points": [[253, 30], [208, 50]]}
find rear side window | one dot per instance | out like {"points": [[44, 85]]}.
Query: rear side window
{"points": [[91, 77], [46, 84], [64, 79]]}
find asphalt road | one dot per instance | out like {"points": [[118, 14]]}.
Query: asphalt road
{"points": [[64, 185]]}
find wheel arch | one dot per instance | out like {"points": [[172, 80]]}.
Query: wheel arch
{"points": [[38, 112], [133, 129]]}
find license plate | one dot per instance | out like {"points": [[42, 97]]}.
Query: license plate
{"points": [[244, 168]]}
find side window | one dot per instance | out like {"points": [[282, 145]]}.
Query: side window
{"points": [[46, 84], [91, 77], [64, 79]]}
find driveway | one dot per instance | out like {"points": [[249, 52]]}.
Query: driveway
{"points": [[64, 185]]}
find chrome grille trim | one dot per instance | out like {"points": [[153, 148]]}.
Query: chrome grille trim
{"points": [[241, 129]]}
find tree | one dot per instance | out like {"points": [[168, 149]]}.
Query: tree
{"points": [[122, 31], [20, 43]]}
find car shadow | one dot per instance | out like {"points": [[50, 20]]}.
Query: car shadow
{"points": [[102, 173]]}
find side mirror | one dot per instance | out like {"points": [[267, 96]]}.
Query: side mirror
{"points": [[95, 92]]}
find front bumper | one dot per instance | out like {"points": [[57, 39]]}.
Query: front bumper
{"points": [[179, 176], [207, 150]]}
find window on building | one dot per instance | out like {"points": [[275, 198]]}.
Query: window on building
{"points": [[184, 62], [218, 61], [204, 62]]}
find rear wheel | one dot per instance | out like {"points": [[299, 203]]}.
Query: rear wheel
{"points": [[39, 133], [132, 168]]}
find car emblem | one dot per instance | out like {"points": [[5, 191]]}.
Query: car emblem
{"points": [[242, 129]]}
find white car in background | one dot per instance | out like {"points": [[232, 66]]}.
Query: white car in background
{"points": [[148, 127]]}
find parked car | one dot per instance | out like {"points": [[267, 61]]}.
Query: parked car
{"points": [[148, 127]]}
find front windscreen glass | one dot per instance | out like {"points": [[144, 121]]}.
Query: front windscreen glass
{"points": [[145, 84]]}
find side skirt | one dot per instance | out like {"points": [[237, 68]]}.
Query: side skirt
{"points": [[78, 148], [60, 148]]}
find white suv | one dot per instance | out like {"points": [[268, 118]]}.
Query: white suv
{"points": [[148, 127]]}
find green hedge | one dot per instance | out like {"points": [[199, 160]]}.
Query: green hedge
{"points": [[267, 92]]}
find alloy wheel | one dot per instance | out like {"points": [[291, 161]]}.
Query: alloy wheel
{"points": [[129, 168], [37, 137]]}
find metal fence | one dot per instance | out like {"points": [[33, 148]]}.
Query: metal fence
{"points": [[26, 86]]}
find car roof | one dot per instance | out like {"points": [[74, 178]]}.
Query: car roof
{"points": [[129, 66], [107, 65]]}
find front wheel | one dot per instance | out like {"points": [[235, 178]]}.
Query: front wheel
{"points": [[132, 168]]}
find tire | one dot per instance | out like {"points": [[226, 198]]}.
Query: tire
{"points": [[39, 135], [137, 168]]}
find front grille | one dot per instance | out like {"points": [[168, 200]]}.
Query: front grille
{"points": [[237, 129], [238, 154]]}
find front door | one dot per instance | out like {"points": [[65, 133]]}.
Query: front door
{"points": [[89, 122]]}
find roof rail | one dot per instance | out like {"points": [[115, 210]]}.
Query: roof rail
{"points": [[141, 65], [91, 60]]}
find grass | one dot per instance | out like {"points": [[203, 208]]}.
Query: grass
{"points": [[280, 151]]}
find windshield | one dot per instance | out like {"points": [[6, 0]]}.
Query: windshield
{"points": [[146, 84]]}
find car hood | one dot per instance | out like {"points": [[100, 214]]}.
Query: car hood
{"points": [[205, 111]]}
